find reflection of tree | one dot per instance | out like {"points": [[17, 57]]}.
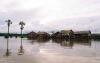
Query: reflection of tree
{"points": [[7, 50], [21, 50]]}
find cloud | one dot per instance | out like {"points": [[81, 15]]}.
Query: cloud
{"points": [[48, 15], [76, 24]]}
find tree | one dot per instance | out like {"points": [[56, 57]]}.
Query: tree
{"points": [[21, 50], [22, 24], [8, 23]]}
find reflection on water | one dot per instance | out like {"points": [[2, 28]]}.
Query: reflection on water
{"points": [[70, 43], [7, 50], [66, 43], [21, 50]]}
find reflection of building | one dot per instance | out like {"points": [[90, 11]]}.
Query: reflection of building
{"points": [[68, 43], [57, 40], [42, 40], [71, 43], [86, 42]]}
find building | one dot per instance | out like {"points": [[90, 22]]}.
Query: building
{"points": [[43, 35], [32, 35], [82, 34], [63, 34]]}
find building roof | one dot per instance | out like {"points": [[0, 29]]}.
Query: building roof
{"points": [[32, 32], [82, 32], [66, 31], [42, 33]]}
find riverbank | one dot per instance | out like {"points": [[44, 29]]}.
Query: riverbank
{"points": [[93, 36]]}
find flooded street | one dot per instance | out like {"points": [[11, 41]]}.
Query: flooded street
{"points": [[52, 51]]}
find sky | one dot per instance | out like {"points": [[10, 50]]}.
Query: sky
{"points": [[50, 15]]}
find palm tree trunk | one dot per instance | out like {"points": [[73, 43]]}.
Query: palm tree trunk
{"points": [[8, 31], [21, 36], [21, 33]]}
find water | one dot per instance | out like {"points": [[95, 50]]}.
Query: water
{"points": [[51, 51]]}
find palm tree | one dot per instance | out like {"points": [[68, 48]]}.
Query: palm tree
{"points": [[8, 23], [21, 50], [22, 24]]}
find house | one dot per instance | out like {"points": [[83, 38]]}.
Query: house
{"points": [[67, 33], [82, 34], [63, 34], [32, 35], [43, 35]]}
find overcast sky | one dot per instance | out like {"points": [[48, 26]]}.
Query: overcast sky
{"points": [[48, 15]]}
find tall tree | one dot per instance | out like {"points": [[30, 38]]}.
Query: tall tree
{"points": [[21, 50], [22, 24], [7, 51], [8, 23]]}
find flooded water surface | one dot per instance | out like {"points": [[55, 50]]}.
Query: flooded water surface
{"points": [[17, 50]]}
